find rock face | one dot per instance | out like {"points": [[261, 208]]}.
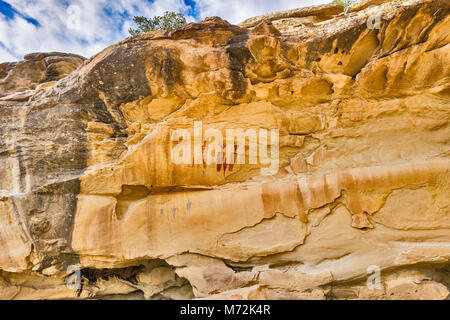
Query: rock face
{"points": [[93, 205], [20, 80]]}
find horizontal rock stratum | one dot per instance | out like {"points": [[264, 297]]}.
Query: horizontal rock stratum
{"points": [[92, 204]]}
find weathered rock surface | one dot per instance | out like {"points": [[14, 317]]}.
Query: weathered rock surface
{"points": [[363, 183], [20, 80]]}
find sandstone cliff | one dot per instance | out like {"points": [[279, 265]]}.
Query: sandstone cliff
{"points": [[363, 183]]}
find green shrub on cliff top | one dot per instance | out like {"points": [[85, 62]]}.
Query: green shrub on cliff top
{"points": [[345, 3], [168, 21]]}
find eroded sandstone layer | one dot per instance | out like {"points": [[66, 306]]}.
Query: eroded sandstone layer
{"points": [[88, 182]]}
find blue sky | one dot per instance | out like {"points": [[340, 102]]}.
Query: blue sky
{"points": [[85, 27]]}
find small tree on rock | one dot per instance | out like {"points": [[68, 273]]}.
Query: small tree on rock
{"points": [[168, 21], [345, 3]]}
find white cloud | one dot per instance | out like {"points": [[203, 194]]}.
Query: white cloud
{"points": [[6, 56], [103, 22], [236, 11]]}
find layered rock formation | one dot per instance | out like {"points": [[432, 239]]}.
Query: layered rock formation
{"points": [[20, 80], [90, 191]]}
